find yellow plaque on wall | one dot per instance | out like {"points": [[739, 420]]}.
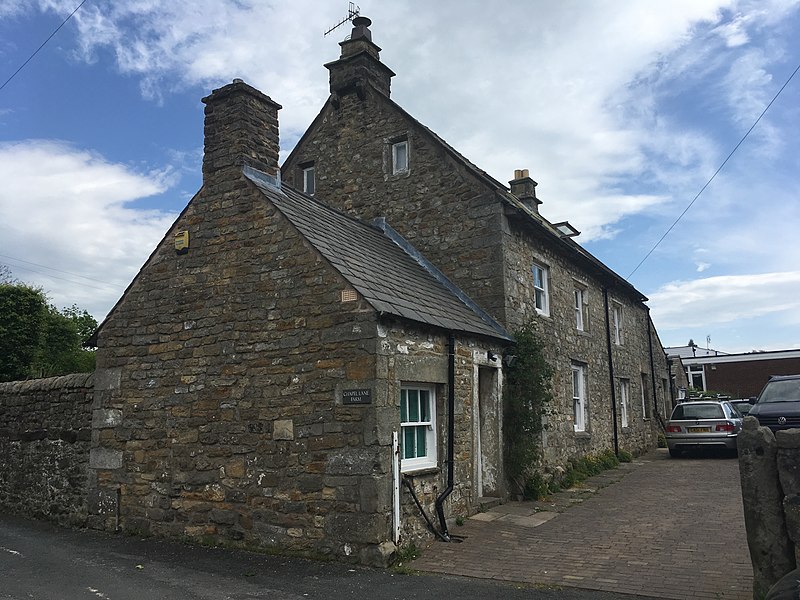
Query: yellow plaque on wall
{"points": [[182, 241]]}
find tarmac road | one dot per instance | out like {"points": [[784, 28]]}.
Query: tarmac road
{"points": [[44, 562]]}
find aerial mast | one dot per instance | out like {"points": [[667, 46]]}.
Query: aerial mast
{"points": [[352, 13]]}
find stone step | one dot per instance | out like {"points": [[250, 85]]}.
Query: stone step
{"points": [[487, 502]]}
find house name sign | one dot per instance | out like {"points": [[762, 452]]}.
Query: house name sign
{"points": [[357, 396]]}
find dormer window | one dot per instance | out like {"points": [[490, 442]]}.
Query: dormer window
{"points": [[400, 157], [309, 183]]}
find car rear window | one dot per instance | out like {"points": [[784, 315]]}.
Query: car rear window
{"points": [[780, 391], [697, 411]]}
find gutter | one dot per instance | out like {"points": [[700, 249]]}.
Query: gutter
{"points": [[653, 372]]}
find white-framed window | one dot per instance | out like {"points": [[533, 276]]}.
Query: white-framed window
{"points": [[581, 314], [579, 396], [697, 377], [400, 157], [541, 294], [624, 396], [417, 427], [309, 183], [646, 412], [616, 317]]}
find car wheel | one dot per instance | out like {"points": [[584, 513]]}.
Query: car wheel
{"points": [[674, 452]]}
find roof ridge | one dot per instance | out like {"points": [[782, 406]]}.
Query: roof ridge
{"points": [[410, 250]]}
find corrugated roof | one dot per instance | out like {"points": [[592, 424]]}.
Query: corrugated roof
{"points": [[380, 265]]}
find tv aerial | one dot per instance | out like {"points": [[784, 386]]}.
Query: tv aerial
{"points": [[352, 13]]}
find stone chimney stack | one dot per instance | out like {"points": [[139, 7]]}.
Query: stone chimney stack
{"points": [[241, 128], [358, 64], [524, 188]]}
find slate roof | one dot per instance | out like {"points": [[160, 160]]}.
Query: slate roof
{"points": [[379, 264], [534, 220]]}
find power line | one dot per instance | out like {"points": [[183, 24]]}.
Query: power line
{"points": [[30, 58], [27, 262], [724, 162], [86, 285]]}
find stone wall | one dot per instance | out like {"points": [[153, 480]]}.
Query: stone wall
{"points": [[220, 380], [438, 205], [565, 345], [457, 218], [769, 466], [225, 368], [45, 435], [411, 355]]}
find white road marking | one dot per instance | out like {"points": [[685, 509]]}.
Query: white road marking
{"points": [[10, 551]]}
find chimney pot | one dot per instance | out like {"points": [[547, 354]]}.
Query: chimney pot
{"points": [[361, 28], [524, 188]]}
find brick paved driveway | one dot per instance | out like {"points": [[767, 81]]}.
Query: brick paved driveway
{"points": [[667, 528]]}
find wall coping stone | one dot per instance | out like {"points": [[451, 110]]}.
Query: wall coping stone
{"points": [[75, 380]]}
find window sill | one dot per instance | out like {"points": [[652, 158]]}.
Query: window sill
{"points": [[583, 435], [420, 471]]}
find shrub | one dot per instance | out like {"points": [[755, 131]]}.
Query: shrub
{"points": [[527, 391], [582, 468]]}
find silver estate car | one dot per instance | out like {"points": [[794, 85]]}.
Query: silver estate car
{"points": [[703, 423]]}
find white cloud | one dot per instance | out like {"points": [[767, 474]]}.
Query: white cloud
{"points": [[725, 299], [70, 210], [734, 33], [568, 90], [621, 111]]}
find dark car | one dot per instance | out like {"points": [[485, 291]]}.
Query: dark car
{"points": [[703, 424], [743, 405], [778, 404]]}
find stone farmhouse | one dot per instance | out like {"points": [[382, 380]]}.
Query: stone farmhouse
{"points": [[260, 365], [367, 156], [312, 358]]}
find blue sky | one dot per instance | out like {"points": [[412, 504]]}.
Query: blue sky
{"points": [[621, 111]]}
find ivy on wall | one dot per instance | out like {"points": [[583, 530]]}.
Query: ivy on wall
{"points": [[527, 391]]}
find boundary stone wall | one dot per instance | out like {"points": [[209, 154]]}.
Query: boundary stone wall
{"points": [[45, 436], [769, 466]]}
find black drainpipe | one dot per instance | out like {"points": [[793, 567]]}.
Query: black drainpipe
{"points": [[611, 373], [451, 425], [653, 373]]}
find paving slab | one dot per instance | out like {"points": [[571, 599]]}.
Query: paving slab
{"points": [[658, 527]]}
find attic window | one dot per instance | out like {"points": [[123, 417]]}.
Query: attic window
{"points": [[309, 178], [349, 296], [400, 157], [566, 229]]}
